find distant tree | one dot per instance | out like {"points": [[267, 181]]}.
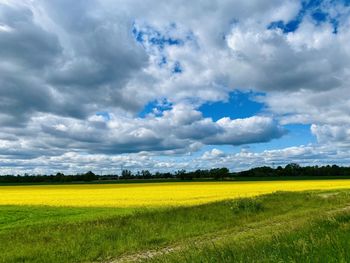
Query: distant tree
{"points": [[292, 169], [293, 166], [279, 171], [126, 174], [336, 170], [181, 174], [219, 173], [146, 174], [89, 176]]}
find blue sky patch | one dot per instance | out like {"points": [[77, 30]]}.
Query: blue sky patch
{"points": [[154, 37], [312, 8], [319, 16], [177, 68], [104, 114], [239, 105], [286, 28], [156, 107]]}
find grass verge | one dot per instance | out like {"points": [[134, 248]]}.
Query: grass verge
{"points": [[109, 234], [322, 240]]}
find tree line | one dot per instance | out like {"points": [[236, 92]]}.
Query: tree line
{"points": [[290, 170]]}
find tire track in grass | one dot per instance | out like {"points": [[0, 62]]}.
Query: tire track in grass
{"points": [[276, 226]]}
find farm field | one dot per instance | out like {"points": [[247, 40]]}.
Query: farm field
{"points": [[177, 222], [152, 194]]}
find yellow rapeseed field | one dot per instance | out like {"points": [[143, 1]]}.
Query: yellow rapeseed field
{"points": [[151, 194]]}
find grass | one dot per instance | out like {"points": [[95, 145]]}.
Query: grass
{"points": [[22, 216], [243, 230], [322, 240]]}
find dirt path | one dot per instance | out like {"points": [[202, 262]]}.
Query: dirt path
{"points": [[195, 242]]}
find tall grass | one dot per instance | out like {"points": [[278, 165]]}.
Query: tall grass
{"points": [[109, 236], [325, 240]]}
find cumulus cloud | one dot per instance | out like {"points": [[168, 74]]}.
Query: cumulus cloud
{"points": [[73, 162], [212, 154], [61, 63], [332, 134], [53, 56], [180, 129], [50, 61]]}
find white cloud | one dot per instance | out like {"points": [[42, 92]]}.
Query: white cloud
{"points": [[331, 134], [5, 28], [179, 129], [62, 62], [213, 154], [73, 162]]}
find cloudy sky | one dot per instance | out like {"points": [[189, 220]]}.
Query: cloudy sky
{"points": [[164, 85]]}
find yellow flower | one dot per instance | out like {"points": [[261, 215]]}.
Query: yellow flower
{"points": [[152, 194]]}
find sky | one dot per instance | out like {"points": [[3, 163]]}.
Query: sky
{"points": [[107, 85]]}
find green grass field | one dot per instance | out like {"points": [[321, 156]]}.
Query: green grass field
{"points": [[280, 227]]}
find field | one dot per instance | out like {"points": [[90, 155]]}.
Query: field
{"points": [[152, 194], [177, 222]]}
